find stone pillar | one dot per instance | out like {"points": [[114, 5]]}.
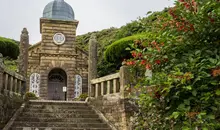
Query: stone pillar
{"points": [[11, 83], [102, 89], [108, 87], [114, 85], [96, 90], [6, 82], [19, 86], [15, 85], [23, 56], [1, 72], [92, 72], [124, 80]]}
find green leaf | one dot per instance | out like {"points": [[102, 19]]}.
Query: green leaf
{"points": [[211, 117], [175, 114], [197, 52], [205, 128], [149, 12], [185, 128], [187, 102], [128, 49], [217, 92], [213, 61], [194, 92], [189, 87]]}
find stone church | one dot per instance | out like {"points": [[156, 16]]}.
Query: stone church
{"points": [[56, 68]]}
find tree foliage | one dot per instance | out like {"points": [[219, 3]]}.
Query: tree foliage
{"points": [[183, 92]]}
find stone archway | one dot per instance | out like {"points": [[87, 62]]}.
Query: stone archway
{"points": [[57, 79]]}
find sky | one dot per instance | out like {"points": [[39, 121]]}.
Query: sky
{"points": [[93, 15]]}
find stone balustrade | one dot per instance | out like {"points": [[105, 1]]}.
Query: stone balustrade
{"points": [[110, 84], [10, 82]]}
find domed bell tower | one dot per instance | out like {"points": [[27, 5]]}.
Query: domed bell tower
{"points": [[57, 52]]}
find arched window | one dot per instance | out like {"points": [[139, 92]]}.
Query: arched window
{"points": [[35, 84], [78, 86]]}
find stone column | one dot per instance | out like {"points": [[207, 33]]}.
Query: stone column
{"points": [[124, 80], [92, 72], [23, 56]]}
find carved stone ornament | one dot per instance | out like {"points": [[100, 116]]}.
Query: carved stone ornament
{"points": [[59, 38]]}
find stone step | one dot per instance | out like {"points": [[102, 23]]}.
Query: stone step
{"points": [[56, 128], [72, 111], [60, 103], [59, 124], [73, 120], [57, 107], [59, 115]]}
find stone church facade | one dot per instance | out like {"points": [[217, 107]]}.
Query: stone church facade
{"points": [[56, 68]]}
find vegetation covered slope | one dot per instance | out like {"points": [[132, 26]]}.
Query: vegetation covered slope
{"points": [[108, 36]]}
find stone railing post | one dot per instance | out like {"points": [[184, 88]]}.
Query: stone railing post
{"points": [[124, 80], [15, 85], [92, 72], [6, 82], [1, 79], [102, 89], [19, 86], [1, 72], [11, 84]]}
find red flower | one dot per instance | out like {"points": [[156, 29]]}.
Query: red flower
{"points": [[143, 62], [158, 62], [212, 20], [148, 66], [215, 72], [134, 54]]}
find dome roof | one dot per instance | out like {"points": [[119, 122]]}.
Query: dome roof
{"points": [[58, 10]]}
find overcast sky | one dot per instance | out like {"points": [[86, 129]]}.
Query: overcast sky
{"points": [[93, 15]]}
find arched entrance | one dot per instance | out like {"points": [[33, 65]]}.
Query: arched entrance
{"points": [[57, 79]]}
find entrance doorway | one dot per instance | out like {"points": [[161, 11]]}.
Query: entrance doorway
{"points": [[57, 79]]}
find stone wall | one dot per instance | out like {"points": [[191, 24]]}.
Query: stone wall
{"points": [[116, 110], [108, 96], [8, 106], [11, 90]]}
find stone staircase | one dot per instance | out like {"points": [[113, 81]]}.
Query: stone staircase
{"points": [[52, 115]]}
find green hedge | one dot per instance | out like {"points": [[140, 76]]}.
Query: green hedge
{"points": [[116, 52], [9, 48]]}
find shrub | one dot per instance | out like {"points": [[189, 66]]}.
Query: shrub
{"points": [[83, 96], [30, 96], [185, 63], [9, 48], [117, 52]]}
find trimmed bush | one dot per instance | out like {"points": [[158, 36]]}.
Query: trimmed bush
{"points": [[117, 52], [9, 48]]}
